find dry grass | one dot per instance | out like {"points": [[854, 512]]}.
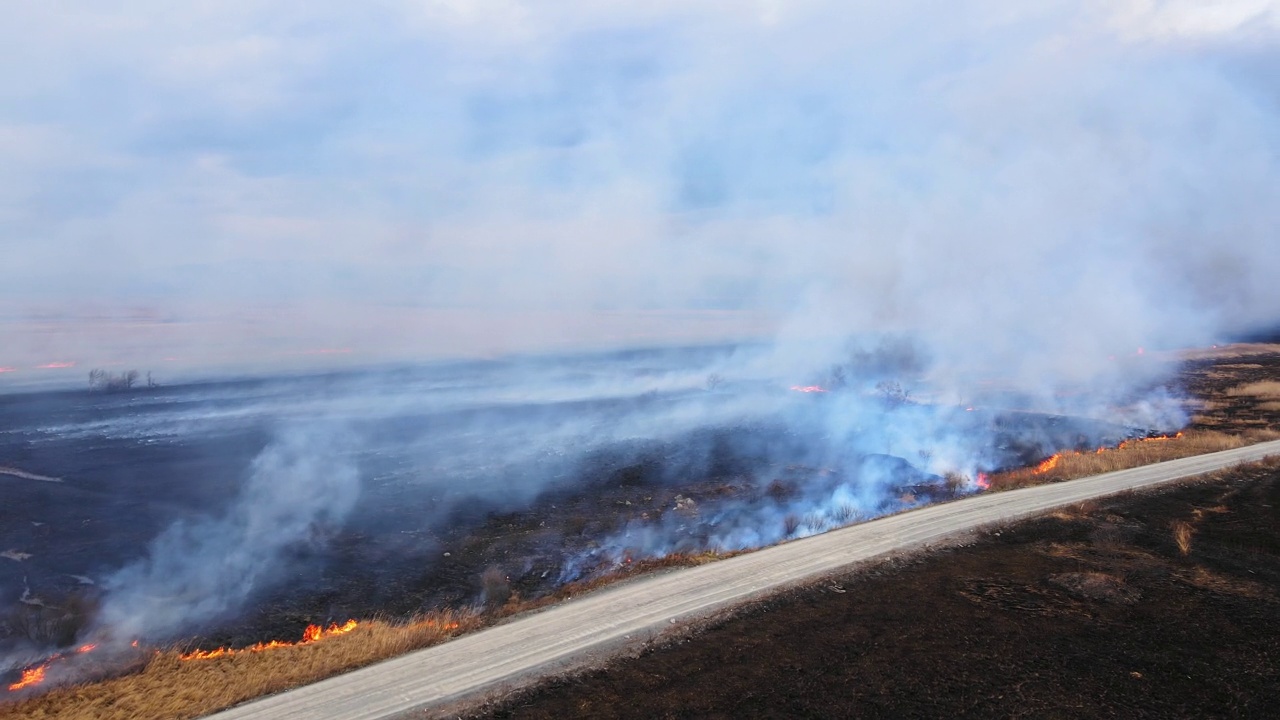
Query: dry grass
{"points": [[1131, 454], [1182, 532], [169, 688], [1265, 389], [1226, 352], [1206, 579]]}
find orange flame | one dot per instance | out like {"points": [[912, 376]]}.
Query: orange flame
{"points": [[1052, 462], [1048, 464], [30, 676], [35, 675], [808, 388], [1158, 438], [983, 482], [313, 633]]}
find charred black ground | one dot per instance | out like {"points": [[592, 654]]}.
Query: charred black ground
{"points": [[410, 556], [1093, 612]]}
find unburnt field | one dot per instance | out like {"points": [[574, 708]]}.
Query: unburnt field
{"points": [[481, 563], [1155, 605]]}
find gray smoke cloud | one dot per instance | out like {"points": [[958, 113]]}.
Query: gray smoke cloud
{"points": [[1032, 189], [199, 571], [995, 206]]}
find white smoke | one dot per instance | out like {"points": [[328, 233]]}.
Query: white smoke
{"points": [[199, 571], [993, 204]]}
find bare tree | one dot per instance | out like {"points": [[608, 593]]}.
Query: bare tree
{"points": [[103, 381]]}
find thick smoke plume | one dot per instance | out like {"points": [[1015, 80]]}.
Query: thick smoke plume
{"points": [[921, 207], [199, 571], [1033, 189]]}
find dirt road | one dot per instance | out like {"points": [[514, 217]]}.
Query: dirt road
{"points": [[524, 650]]}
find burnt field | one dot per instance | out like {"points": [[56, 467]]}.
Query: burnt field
{"points": [[1152, 605], [228, 514]]}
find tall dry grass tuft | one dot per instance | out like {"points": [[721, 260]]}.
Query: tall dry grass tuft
{"points": [[1182, 532], [169, 688], [1265, 389]]}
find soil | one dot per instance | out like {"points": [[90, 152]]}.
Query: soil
{"points": [[1093, 612]]}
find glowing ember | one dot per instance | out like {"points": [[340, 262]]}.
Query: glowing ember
{"points": [[808, 388], [30, 676], [313, 633]]}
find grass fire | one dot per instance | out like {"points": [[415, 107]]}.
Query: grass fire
{"points": [[494, 561]]}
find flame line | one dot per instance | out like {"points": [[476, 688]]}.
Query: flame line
{"points": [[313, 633]]}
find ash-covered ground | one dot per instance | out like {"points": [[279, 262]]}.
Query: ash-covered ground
{"points": [[237, 512]]}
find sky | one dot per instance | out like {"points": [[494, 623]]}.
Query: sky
{"points": [[414, 178]]}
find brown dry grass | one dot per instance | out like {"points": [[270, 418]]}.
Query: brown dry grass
{"points": [[1206, 579], [1129, 455], [1182, 532], [1266, 389], [168, 688], [1226, 352]]}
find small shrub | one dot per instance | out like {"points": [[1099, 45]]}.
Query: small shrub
{"points": [[790, 524]]}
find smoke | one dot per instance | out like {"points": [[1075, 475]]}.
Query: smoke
{"points": [[1033, 189], [199, 571], [921, 206]]}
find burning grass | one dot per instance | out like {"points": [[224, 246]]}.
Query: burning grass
{"points": [[1129, 454], [1234, 401], [176, 685]]}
